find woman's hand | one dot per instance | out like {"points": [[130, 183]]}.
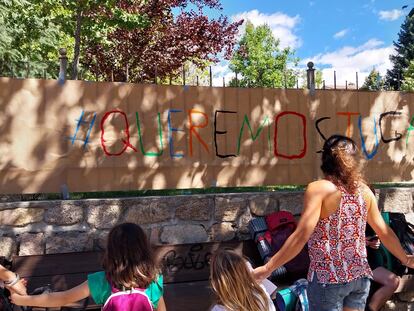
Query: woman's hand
{"points": [[410, 261], [373, 243], [261, 273]]}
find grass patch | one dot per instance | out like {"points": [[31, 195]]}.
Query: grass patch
{"points": [[171, 192]]}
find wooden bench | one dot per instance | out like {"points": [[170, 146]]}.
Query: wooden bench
{"points": [[185, 270]]}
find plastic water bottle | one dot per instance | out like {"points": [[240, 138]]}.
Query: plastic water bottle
{"points": [[264, 247]]}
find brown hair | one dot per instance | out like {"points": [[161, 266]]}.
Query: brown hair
{"points": [[233, 283], [128, 261], [339, 162]]}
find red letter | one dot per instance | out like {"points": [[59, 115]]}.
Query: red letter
{"points": [[124, 141], [193, 127], [303, 152], [349, 114]]}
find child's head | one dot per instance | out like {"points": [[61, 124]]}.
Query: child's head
{"points": [[234, 284], [128, 260]]}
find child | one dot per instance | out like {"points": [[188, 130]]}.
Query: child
{"points": [[234, 285], [12, 281], [128, 263]]}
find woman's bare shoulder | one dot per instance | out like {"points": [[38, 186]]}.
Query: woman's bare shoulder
{"points": [[321, 186]]}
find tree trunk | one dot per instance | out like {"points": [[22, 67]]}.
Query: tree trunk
{"points": [[76, 53]]}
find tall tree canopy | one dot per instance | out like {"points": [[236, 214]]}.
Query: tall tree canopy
{"points": [[373, 82], [108, 36], [259, 60], [404, 51]]}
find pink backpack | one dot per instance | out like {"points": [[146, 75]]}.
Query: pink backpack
{"points": [[127, 300]]}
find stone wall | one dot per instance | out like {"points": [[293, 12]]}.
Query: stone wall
{"points": [[45, 227]]}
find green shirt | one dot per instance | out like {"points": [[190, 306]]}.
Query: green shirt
{"points": [[100, 289]]}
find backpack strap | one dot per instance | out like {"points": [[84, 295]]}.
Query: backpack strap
{"points": [[300, 290]]}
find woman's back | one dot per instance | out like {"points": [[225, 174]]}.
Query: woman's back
{"points": [[337, 245]]}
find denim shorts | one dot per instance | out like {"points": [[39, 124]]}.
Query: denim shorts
{"points": [[334, 297]]}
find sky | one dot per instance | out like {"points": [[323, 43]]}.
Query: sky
{"points": [[346, 36]]}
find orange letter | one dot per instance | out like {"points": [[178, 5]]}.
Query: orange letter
{"points": [[193, 127]]}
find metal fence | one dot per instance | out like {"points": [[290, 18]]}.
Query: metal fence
{"points": [[59, 69]]}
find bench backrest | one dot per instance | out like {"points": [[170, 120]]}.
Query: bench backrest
{"points": [[181, 263]]}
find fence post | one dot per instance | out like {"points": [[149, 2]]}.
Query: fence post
{"points": [[310, 75], [156, 75], [356, 76], [63, 65], [224, 82], [323, 83], [334, 79], [183, 75], [211, 77], [198, 82], [346, 84]]}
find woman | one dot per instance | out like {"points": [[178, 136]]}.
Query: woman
{"points": [[336, 210], [385, 283]]}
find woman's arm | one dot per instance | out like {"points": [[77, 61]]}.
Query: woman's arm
{"points": [[385, 233], [314, 195], [161, 305], [8, 276], [56, 299]]}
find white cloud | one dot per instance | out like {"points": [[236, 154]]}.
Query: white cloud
{"points": [[390, 15], [341, 33], [348, 60], [282, 25]]}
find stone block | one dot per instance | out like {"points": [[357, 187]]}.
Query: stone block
{"points": [[31, 244], [148, 212], [194, 208], [100, 239], [291, 201], [398, 200], [8, 247], [69, 242], [224, 231], [230, 208], [20, 217], [64, 213], [105, 215], [181, 234], [262, 204]]}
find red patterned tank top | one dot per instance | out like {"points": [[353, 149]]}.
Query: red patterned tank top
{"points": [[337, 248]]}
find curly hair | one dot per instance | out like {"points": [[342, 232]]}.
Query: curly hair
{"points": [[339, 162]]}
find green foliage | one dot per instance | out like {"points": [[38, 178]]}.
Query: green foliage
{"points": [[405, 51], [374, 81], [32, 31], [408, 75], [259, 61]]}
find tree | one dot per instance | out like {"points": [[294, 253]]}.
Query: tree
{"points": [[405, 51], [165, 44], [25, 36], [107, 36], [408, 75], [373, 82], [260, 62]]}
